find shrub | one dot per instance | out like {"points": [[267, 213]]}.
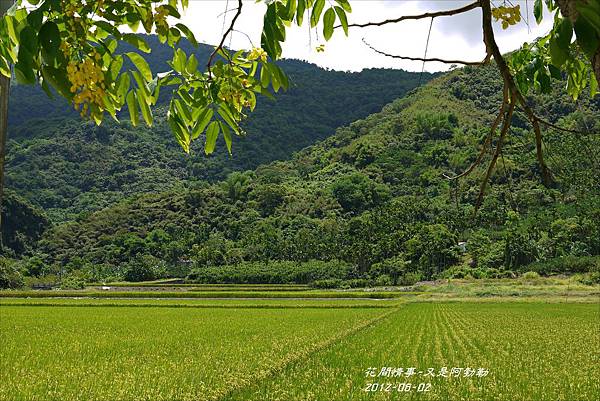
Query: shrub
{"points": [[592, 278], [72, 282], [530, 275], [145, 268], [410, 278], [466, 272], [275, 272], [338, 283], [357, 192], [355, 283], [10, 277], [434, 247], [383, 280], [567, 264], [327, 283], [436, 126], [393, 268]]}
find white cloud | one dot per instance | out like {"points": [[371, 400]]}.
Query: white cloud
{"points": [[451, 37]]}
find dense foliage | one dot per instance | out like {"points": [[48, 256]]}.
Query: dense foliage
{"points": [[67, 167], [373, 195]]}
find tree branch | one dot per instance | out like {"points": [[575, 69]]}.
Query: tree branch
{"points": [[556, 127], [503, 132], [494, 51], [229, 30], [455, 11], [423, 59], [488, 139]]}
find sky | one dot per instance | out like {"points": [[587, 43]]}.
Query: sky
{"points": [[453, 37]]}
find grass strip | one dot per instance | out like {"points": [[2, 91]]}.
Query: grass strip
{"points": [[208, 294], [207, 306]]}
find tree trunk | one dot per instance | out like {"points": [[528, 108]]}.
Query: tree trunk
{"points": [[4, 91]]}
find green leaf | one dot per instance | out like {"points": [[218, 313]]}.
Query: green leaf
{"points": [[554, 72], [265, 76], [265, 92], [591, 13], [143, 102], [49, 38], [538, 10], [315, 16], [274, 79], [543, 79], [110, 45], [290, 9], [24, 69], [173, 36], [343, 19], [108, 28], [123, 85], [202, 122], [141, 64], [137, 42], [188, 34], [226, 135], [328, 21], [183, 112], [192, 64], [58, 79], [557, 53], [564, 33], [587, 37], [132, 107], [179, 61], [28, 39], [212, 132], [226, 115], [281, 76], [5, 69], [115, 67], [180, 132], [141, 84], [300, 11], [345, 5], [593, 85], [34, 19], [172, 11], [10, 26], [109, 106]]}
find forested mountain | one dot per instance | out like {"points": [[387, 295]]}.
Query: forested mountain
{"points": [[373, 195], [67, 166]]}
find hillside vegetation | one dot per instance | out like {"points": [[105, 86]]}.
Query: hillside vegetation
{"points": [[371, 199], [67, 166]]}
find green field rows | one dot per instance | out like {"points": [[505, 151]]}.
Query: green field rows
{"points": [[207, 303], [58, 353], [203, 294], [533, 351]]}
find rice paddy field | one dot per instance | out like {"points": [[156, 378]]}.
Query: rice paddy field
{"points": [[413, 347]]}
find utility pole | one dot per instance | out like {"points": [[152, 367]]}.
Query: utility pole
{"points": [[4, 92]]}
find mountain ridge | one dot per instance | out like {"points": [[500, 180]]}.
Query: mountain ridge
{"points": [[68, 167], [372, 193]]}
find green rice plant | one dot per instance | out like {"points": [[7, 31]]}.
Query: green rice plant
{"points": [[532, 352], [295, 350], [202, 294], [156, 354], [207, 303]]}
